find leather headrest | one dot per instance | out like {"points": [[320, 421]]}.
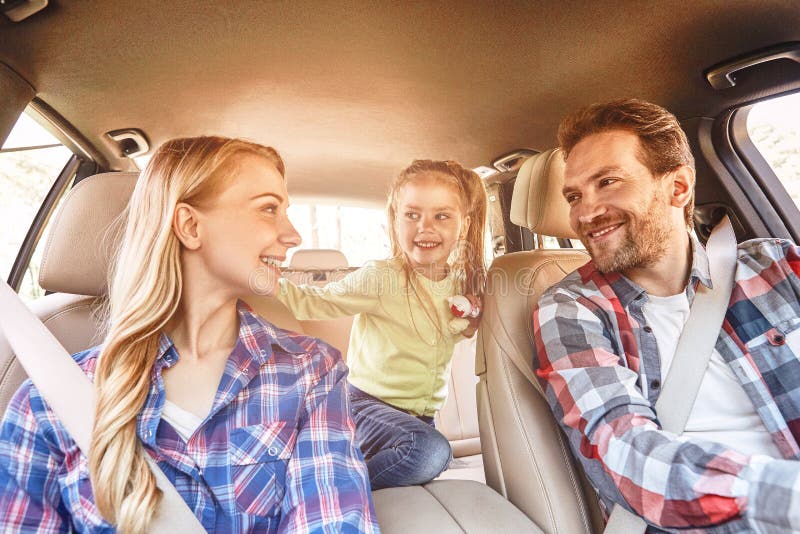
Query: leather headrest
{"points": [[82, 239], [320, 259], [537, 202]]}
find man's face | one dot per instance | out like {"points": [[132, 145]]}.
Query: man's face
{"points": [[620, 211]]}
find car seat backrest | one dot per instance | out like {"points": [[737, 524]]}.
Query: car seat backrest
{"points": [[458, 418], [526, 457], [75, 260]]}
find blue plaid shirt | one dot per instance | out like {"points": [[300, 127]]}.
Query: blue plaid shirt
{"points": [[275, 454]]}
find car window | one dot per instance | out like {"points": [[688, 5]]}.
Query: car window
{"points": [[774, 129], [30, 161], [359, 232]]}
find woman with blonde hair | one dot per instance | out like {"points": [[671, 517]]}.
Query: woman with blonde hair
{"points": [[250, 422]]}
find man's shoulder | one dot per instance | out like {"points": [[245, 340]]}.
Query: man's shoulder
{"points": [[766, 250], [584, 282]]}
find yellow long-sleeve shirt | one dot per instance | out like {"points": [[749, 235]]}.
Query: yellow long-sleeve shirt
{"points": [[396, 352]]}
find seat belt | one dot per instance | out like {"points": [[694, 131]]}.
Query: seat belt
{"points": [[694, 349], [70, 394]]}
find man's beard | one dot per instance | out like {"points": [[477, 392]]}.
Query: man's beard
{"points": [[645, 241]]}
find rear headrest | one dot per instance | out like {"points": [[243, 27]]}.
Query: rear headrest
{"points": [[318, 259], [537, 202], [76, 255]]}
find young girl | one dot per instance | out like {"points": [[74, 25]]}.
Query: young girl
{"points": [[249, 422], [403, 334]]}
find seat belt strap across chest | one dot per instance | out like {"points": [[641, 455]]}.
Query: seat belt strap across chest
{"points": [[70, 394], [692, 354]]}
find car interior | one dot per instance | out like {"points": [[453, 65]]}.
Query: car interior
{"points": [[349, 94]]}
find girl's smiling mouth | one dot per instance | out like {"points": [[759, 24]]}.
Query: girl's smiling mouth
{"points": [[427, 244]]}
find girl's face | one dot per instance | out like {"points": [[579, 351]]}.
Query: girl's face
{"points": [[429, 220], [246, 233]]}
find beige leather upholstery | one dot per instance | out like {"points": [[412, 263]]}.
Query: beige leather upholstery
{"points": [[319, 259], [537, 202], [77, 253], [448, 507], [458, 418], [74, 320], [525, 456]]}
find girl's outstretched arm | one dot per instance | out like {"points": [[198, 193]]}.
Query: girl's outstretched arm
{"points": [[357, 292]]}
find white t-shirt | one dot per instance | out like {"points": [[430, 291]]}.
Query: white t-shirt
{"points": [[722, 412], [184, 423]]}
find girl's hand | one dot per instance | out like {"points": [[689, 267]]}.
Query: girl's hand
{"points": [[473, 321]]}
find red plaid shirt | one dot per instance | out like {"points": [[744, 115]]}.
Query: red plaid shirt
{"points": [[599, 364]]}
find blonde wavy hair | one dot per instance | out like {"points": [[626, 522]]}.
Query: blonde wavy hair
{"points": [[145, 287]]}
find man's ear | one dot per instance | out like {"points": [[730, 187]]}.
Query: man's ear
{"points": [[681, 186], [186, 225]]}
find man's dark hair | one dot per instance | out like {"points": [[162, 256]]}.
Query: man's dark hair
{"points": [[664, 146]]}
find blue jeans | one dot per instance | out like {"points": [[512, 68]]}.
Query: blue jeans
{"points": [[400, 449]]}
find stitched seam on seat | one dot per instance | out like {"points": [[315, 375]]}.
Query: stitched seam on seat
{"points": [[493, 437], [575, 484], [455, 520], [6, 372], [458, 409], [527, 442]]}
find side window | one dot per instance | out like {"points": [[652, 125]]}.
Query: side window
{"points": [[774, 129], [30, 161]]}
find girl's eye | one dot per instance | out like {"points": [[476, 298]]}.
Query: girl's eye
{"points": [[411, 215], [442, 216], [271, 209]]}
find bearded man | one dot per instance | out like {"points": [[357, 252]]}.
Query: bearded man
{"points": [[605, 337]]}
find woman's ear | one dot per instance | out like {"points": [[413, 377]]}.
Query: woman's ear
{"points": [[682, 186], [186, 225]]}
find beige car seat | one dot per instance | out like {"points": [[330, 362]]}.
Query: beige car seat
{"points": [[458, 418], [525, 454]]}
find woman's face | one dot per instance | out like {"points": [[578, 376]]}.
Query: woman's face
{"points": [[246, 232]]}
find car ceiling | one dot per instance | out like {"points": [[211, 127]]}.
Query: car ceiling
{"points": [[351, 92]]}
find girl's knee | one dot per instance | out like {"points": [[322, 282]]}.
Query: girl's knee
{"points": [[433, 455]]}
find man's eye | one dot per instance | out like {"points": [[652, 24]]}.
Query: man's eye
{"points": [[607, 181], [571, 199]]}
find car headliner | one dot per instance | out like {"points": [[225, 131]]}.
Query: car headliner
{"points": [[351, 92]]}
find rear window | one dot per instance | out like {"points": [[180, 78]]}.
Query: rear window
{"points": [[360, 233], [774, 129]]}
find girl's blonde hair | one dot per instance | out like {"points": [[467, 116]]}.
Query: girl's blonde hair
{"points": [[145, 288], [467, 259]]}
